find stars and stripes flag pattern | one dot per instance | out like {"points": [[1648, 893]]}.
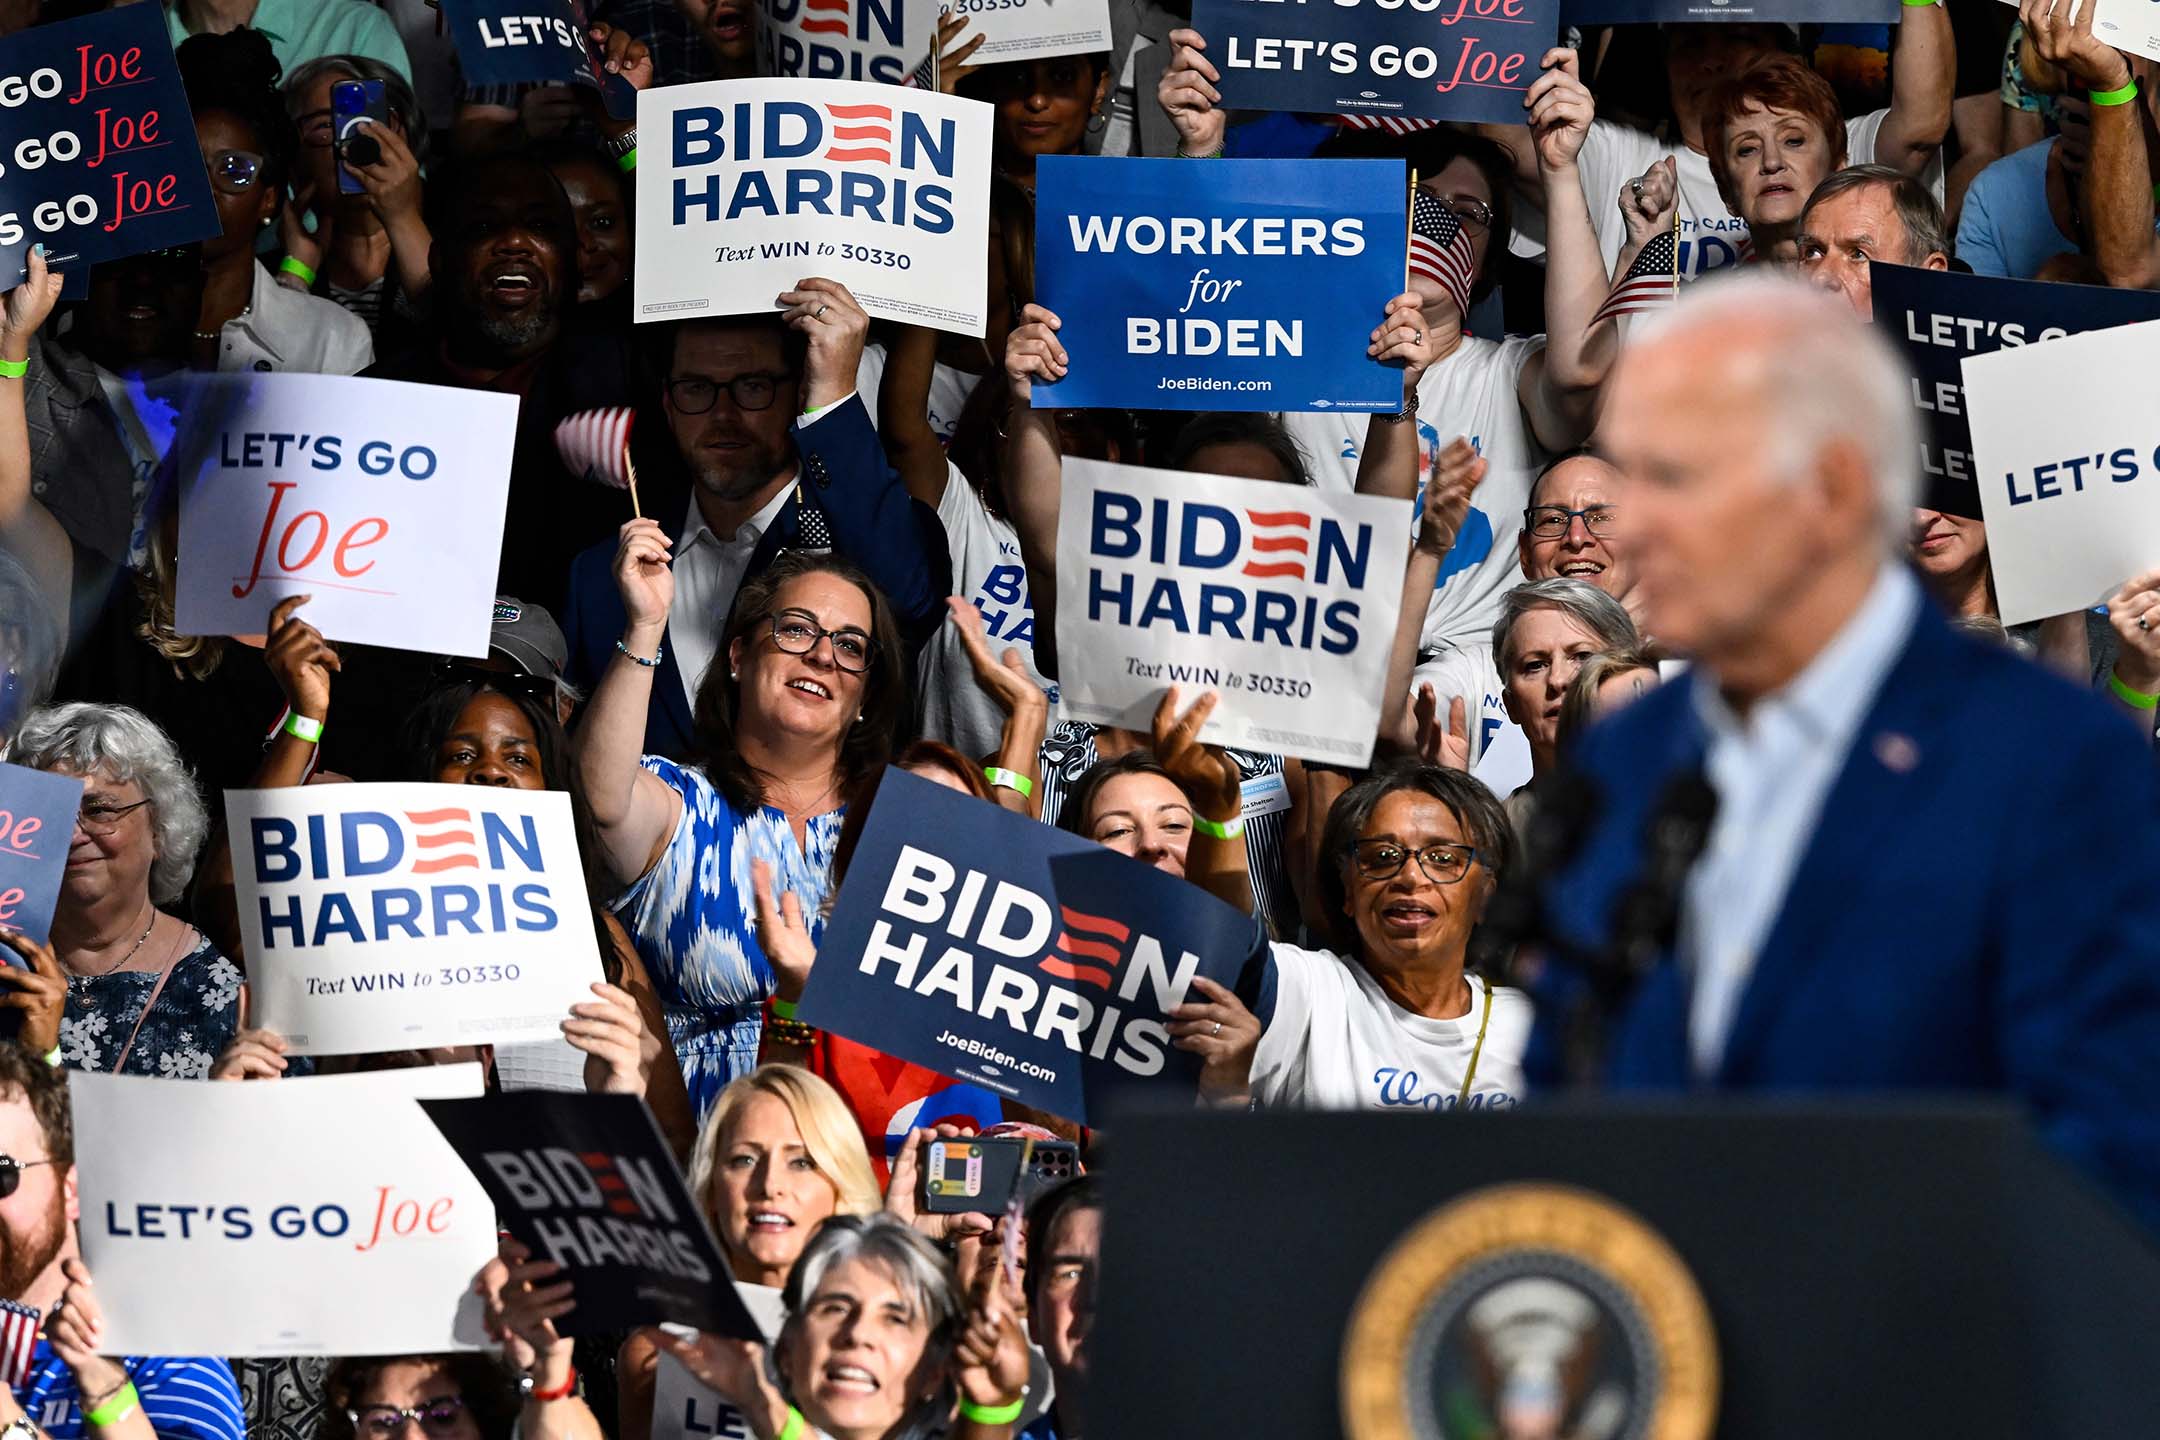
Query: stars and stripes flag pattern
{"points": [[1440, 251], [924, 76], [1651, 283], [18, 1339], [596, 444]]}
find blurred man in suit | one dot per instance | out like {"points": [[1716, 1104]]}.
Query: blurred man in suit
{"points": [[1931, 864]]}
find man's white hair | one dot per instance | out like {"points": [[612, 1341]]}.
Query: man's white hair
{"points": [[1828, 376]]}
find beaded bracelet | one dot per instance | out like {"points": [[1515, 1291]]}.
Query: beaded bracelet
{"points": [[652, 664]]}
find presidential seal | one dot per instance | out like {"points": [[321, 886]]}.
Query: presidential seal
{"points": [[1530, 1312]]}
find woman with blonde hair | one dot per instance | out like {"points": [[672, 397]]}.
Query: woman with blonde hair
{"points": [[779, 1154]]}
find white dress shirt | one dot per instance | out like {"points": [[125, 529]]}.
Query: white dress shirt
{"points": [[1772, 772], [708, 572]]}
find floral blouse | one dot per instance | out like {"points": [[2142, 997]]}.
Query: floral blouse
{"points": [[195, 1016]]}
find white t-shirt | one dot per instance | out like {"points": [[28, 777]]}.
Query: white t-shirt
{"points": [[987, 569], [1336, 1042], [1470, 393], [1499, 751], [1711, 236], [949, 390]]}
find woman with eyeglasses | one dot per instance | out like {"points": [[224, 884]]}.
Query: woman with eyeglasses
{"points": [[1396, 1016], [247, 321], [458, 1397], [796, 711], [146, 993]]}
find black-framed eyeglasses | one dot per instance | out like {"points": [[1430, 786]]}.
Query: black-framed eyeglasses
{"points": [[797, 632], [1550, 522], [1475, 216], [379, 1422], [11, 1173], [235, 171], [102, 817], [694, 394], [1384, 860]]}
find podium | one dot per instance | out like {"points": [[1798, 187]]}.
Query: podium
{"points": [[1900, 1269]]}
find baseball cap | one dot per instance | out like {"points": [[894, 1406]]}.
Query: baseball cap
{"points": [[528, 637]]}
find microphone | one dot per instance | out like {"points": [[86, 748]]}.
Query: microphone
{"points": [[1646, 917], [1568, 804]]}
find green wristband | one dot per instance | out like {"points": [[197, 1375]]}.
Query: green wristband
{"points": [[795, 1425], [2135, 699], [302, 728], [117, 1407], [292, 265], [990, 1414], [785, 1009], [14, 369], [2114, 97], [627, 161], [1001, 778], [1217, 830]]}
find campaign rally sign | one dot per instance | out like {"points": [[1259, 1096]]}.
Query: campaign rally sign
{"points": [[37, 825], [406, 916], [1939, 317], [382, 499], [2066, 441], [1031, 29], [100, 158], [2126, 25], [587, 1182], [1466, 60], [320, 1216], [747, 186], [519, 42], [1014, 956], [685, 1407], [1746, 12], [876, 41], [1280, 598], [1234, 285]]}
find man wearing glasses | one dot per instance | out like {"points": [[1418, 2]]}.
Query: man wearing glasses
{"points": [[57, 1383], [782, 455]]}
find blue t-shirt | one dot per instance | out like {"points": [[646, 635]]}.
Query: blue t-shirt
{"points": [[694, 919], [184, 1398], [2006, 228]]}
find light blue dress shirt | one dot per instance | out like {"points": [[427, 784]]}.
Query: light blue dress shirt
{"points": [[1772, 772]]}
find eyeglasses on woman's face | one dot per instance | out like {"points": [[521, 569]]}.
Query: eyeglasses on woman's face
{"points": [[798, 632], [439, 1417], [100, 816], [1443, 863]]}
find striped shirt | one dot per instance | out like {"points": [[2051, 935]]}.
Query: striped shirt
{"points": [[185, 1399]]}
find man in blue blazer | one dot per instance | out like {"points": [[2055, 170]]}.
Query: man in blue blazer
{"points": [[782, 454], [1932, 866]]}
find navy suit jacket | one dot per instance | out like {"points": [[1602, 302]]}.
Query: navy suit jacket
{"points": [[1978, 908], [873, 521]]}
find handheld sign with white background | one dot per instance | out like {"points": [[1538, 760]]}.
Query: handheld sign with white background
{"points": [[1031, 29], [1280, 598], [587, 1181], [1464, 60], [1731, 12], [1939, 317], [384, 500], [1014, 956], [37, 825], [748, 186], [406, 916], [877, 41], [320, 1216], [2125, 24], [2067, 444], [100, 159], [519, 42], [1233, 285]]}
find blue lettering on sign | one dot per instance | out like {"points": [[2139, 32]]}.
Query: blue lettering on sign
{"points": [[2047, 481], [1008, 612], [895, 159], [1245, 545], [865, 22]]}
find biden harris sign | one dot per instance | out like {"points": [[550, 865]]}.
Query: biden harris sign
{"points": [[401, 917], [1014, 956], [1232, 285], [1280, 598], [749, 186]]}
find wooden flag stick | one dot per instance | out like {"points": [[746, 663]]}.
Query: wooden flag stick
{"points": [[1408, 228], [1676, 245], [630, 469]]}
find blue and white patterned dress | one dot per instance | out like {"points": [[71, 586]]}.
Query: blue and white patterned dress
{"points": [[196, 1015], [693, 917]]}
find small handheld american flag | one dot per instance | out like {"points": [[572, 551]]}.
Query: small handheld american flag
{"points": [[924, 76], [1440, 251], [596, 445], [18, 1339], [1651, 283]]}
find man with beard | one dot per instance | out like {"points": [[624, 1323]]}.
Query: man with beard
{"points": [[504, 260], [61, 1387], [782, 455]]}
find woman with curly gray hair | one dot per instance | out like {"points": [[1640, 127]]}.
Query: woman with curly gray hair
{"points": [[145, 992], [880, 1343]]}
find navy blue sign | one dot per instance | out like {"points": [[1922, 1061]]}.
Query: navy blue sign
{"points": [[1740, 12], [1939, 317], [37, 823], [100, 158], [1228, 285], [587, 1181], [1468, 60], [1014, 956], [520, 42]]}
